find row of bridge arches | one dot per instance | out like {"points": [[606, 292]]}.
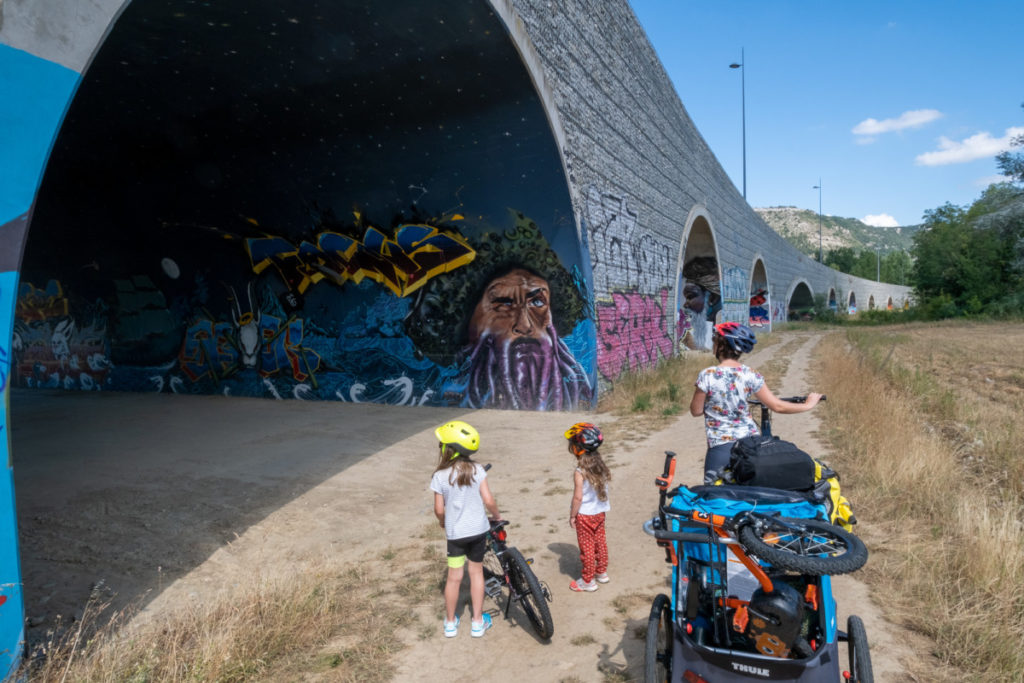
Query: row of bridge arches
{"points": [[708, 293]]}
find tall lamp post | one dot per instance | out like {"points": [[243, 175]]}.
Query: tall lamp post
{"points": [[818, 188], [743, 102]]}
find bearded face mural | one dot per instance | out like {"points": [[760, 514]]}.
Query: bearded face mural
{"points": [[516, 359]]}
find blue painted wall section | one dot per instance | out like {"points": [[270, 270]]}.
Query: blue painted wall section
{"points": [[34, 94], [12, 630]]}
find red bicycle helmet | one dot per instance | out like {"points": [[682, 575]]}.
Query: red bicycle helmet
{"points": [[739, 337], [584, 437]]}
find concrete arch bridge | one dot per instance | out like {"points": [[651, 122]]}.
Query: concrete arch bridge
{"points": [[480, 203]]}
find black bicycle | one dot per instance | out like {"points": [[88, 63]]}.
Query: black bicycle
{"points": [[506, 569]]}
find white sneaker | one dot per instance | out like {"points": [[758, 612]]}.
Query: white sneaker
{"points": [[602, 578], [451, 628], [479, 629], [579, 585]]}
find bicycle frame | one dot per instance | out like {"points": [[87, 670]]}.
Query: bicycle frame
{"points": [[497, 541]]}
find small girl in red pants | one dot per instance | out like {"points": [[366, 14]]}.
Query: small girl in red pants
{"points": [[589, 503]]}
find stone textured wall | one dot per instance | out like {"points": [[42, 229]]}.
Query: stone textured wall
{"points": [[639, 171]]}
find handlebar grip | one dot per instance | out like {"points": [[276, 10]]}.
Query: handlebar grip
{"points": [[797, 399], [693, 537], [665, 480], [487, 467]]}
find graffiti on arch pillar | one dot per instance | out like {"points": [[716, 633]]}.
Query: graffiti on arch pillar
{"points": [[624, 257], [779, 313], [735, 295], [632, 270], [632, 333]]}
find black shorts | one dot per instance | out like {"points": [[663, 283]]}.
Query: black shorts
{"points": [[473, 547]]}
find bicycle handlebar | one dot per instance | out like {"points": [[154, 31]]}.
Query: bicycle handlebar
{"points": [[787, 399], [685, 536]]}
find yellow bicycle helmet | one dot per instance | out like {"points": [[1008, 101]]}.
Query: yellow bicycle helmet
{"points": [[461, 436]]}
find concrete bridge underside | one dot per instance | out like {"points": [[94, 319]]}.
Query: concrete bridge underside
{"points": [[477, 204]]}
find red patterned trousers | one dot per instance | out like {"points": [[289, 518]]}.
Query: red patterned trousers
{"points": [[593, 545]]}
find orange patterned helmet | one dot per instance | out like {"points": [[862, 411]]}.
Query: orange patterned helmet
{"points": [[584, 437]]}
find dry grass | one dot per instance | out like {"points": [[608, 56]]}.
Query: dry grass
{"points": [[925, 432], [288, 628]]}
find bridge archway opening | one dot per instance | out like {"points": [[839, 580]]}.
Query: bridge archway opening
{"points": [[871, 302], [760, 297], [199, 158], [192, 207], [851, 303], [889, 304], [801, 303], [699, 284], [833, 305]]}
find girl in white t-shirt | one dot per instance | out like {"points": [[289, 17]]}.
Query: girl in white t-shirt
{"points": [[462, 500], [589, 505]]}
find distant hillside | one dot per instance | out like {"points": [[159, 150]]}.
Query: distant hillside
{"points": [[800, 228]]}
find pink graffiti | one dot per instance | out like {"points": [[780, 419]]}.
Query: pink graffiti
{"points": [[632, 333]]}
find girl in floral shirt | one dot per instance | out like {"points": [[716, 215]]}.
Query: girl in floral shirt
{"points": [[722, 392]]}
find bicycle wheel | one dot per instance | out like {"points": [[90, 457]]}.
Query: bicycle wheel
{"points": [[860, 654], [808, 546], [658, 649], [529, 594]]}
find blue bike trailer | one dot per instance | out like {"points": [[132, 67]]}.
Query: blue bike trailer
{"points": [[692, 657]]}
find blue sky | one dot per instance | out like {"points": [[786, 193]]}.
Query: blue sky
{"points": [[898, 107]]}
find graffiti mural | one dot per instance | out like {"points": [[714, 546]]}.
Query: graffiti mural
{"points": [[524, 343], [760, 316], [516, 359], [735, 296], [631, 270], [623, 257], [702, 302], [632, 333], [403, 262], [778, 311], [351, 248], [50, 349]]}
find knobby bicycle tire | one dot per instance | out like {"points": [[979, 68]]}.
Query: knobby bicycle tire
{"points": [[530, 593], [860, 654], [808, 546], [658, 646]]}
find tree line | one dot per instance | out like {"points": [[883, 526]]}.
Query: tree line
{"points": [[966, 260]]}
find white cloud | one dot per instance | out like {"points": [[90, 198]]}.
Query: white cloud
{"points": [[881, 220], [991, 180], [975, 147], [908, 119]]}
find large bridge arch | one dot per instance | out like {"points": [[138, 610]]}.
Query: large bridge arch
{"points": [[760, 295], [799, 300], [698, 283]]}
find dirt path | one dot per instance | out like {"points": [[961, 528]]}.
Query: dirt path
{"points": [[197, 506], [888, 643]]}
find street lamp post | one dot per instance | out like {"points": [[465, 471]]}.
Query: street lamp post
{"points": [[818, 188], [743, 102]]}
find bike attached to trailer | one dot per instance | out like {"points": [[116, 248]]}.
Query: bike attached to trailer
{"points": [[751, 584]]}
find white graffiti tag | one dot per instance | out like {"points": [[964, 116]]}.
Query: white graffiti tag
{"points": [[622, 257]]}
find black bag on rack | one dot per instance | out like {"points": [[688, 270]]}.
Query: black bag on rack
{"points": [[771, 462]]}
